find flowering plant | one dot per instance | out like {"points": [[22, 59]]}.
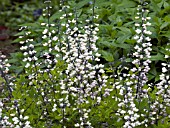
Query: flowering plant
{"points": [[88, 65]]}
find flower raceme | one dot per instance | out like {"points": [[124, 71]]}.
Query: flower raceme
{"points": [[134, 83]]}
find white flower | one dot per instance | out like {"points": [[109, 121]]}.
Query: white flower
{"points": [[148, 18], [122, 111], [148, 23], [27, 65], [15, 119], [132, 105], [21, 42], [136, 37], [17, 126], [27, 123], [126, 117], [148, 38], [12, 114], [25, 53], [147, 32], [53, 31], [136, 24], [137, 17], [22, 110], [130, 112], [166, 56], [54, 109], [26, 117], [98, 55], [23, 47], [164, 70], [132, 118], [45, 36], [42, 93], [55, 38], [77, 125], [35, 58], [45, 44], [138, 31], [98, 99], [43, 24], [45, 31], [31, 46], [85, 115]]}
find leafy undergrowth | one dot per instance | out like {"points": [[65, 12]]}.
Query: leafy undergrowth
{"points": [[90, 64]]}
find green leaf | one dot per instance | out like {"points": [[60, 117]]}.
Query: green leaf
{"points": [[167, 18], [166, 34], [157, 57], [56, 15], [166, 5], [122, 39], [106, 43], [153, 70], [17, 40], [128, 60], [13, 60], [82, 3], [107, 55], [101, 3], [155, 6], [150, 76], [35, 24], [79, 12], [121, 45], [19, 33], [165, 24], [127, 4]]}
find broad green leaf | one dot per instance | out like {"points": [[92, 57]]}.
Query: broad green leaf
{"points": [[127, 4], [35, 24], [122, 39], [14, 60], [56, 16], [82, 3], [128, 60], [19, 33], [155, 6], [167, 18], [165, 24], [106, 43], [157, 57], [17, 40], [107, 55], [150, 76], [166, 34], [121, 45]]}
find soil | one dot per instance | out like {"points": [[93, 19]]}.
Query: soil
{"points": [[6, 45]]}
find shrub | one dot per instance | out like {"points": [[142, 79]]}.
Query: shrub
{"points": [[90, 64]]}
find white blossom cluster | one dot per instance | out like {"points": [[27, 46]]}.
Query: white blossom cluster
{"points": [[32, 65], [142, 48], [17, 121], [4, 65], [127, 108], [162, 102], [132, 89], [84, 78], [4, 68]]}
